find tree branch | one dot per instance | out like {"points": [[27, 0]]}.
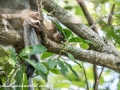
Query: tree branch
{"points": [[91, 22], [90, 56], [101, 58], [78, 28], [87, 14], [8, 37]]}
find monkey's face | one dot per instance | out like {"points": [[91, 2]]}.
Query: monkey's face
{"points": [[55, 35], [52, 32]]}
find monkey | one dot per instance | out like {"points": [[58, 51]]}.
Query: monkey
{"points": [[22, 18], [51, 30], [28, 30]]}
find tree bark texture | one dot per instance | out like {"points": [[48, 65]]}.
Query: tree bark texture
{"points": [[104, 54]]}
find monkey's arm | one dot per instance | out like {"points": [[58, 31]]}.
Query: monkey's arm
{"points": [[51, 30]]}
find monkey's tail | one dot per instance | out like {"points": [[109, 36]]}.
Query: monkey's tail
{"points": [[30, 84], [30, 71], [30, 38]]}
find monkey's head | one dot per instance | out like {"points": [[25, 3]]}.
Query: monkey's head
{"points": [[55, 35], [52, 32]]}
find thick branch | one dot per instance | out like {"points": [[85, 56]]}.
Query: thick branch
{"points": [[91, 22], [8, 37], [102, 59], [87, 14], [90, 56], [79, 29]]}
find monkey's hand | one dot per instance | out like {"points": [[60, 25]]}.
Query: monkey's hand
{"points": [[35, 21]]}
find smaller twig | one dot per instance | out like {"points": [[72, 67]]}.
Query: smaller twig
{"points": [[87, 14], [35, 75], [52, 56], [64, 45], [92, 24], [85, 76], [4, 60], [98, 79], [51, 13], [100, 73], [111, 14], [61, 51], [40, 7], [12, 76], [99, 20], [95, 77], [117, 10]]}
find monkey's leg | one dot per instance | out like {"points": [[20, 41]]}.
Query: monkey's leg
{"points": [[30, 38]]}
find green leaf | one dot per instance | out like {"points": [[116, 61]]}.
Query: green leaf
{"points": [[109, 30], [77, 8], [118, 83], [3, 52], [45, 63], [46, 55], [70, 67], [38, 49], [1, 64], [12, 60], [25, 81], [26, 51], [84, 45], [2, 75], [89, 42], [57, 24], [19, 79], [68, 33], [71, 57], [77, 39], [68, 7], [63, 68], [33, 50], [55, 71], [52, 63], [7, 68], [37, 66], [12, 52], [44, 76], [13, 57]]}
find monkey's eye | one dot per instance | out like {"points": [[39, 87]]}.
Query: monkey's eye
{"points": [[55, 31], [52, 38]]}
